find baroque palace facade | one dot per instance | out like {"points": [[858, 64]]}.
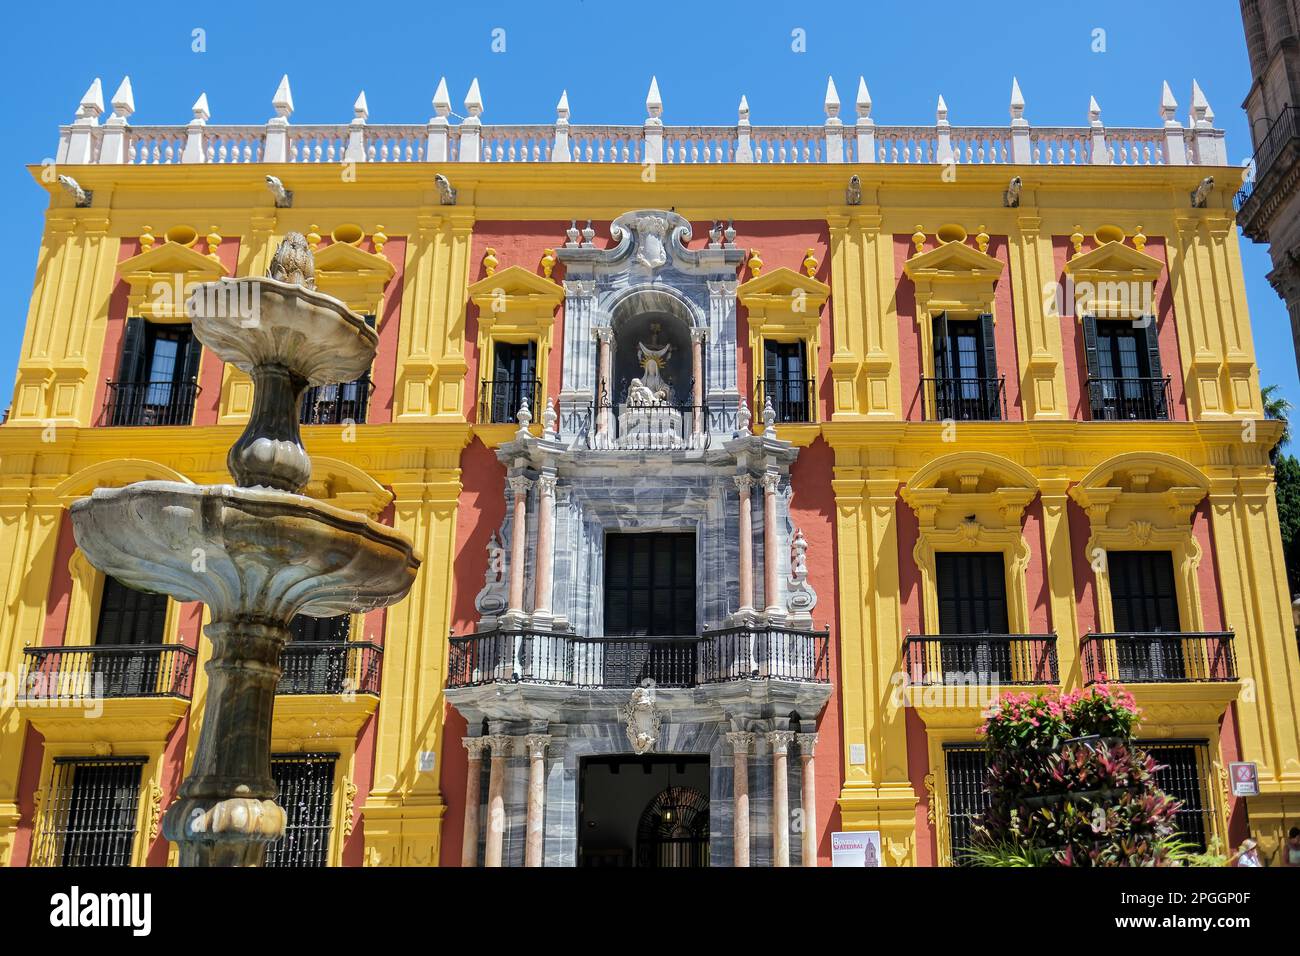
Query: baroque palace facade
{"points": [[749, 464]]}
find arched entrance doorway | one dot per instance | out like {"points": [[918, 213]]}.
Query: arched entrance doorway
{"points": [[650, 810], [674, 829]]}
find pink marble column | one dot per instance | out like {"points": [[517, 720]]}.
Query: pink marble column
{"points": [[604, 381], [536, 746], [545, 566], [771, 578], [780, 741], [502, 747], [741, 742], [808, 798], [745, 485], [469, 841], [519, 484], [697, 372]]}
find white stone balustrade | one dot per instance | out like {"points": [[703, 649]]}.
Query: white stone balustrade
{"points": [[858, 140]]}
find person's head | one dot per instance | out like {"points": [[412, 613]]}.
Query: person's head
{"points": [[1247, 845], [1294, 835]]}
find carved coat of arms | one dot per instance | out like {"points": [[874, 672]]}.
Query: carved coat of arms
{"points": [[643, 720]]}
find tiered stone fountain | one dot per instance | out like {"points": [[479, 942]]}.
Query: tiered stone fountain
{"points": [[256, 553]]}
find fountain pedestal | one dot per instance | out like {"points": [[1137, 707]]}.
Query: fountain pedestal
{"points": [[256, 553]]}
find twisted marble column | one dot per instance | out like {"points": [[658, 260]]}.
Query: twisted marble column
{"points": [[474, 746], [741, 742]]}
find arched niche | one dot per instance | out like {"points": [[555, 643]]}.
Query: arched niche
{"points": [[652, 320]]}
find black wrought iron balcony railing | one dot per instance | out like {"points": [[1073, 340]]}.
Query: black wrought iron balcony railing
{"points": [[108, 671], [1159, 657], [963, 399], [1129, 399], [499, 399], [330, 667], [793, 399], [149, 403], [1283, 136], [728, 654], [336, 404], [981, 659]]}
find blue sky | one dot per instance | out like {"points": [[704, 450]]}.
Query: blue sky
{"points": [[705, 56]]}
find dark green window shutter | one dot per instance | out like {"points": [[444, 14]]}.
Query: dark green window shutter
{"points": [[130, 366], [1153, 347], [1090, 344], [942, 363], [989, 346], [193, 353]]}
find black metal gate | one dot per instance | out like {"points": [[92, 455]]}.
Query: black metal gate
{"points": [[674, 829], [90, 812], [305, 785], [1184, 776], [968, 794]]}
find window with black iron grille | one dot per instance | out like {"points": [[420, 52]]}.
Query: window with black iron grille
{"points": [[972, 592], [315, 661], [157, 375], [337, 404], [967, 768], [514, 378], [1125, 378], [90, 812], [1144, 600], [966, 385], [786, 381], [128, 618], [305, 787], [1184, 776]]}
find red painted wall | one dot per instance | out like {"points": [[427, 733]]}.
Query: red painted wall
{"points": [[812, 509], [909, 577], [60, 593], [909, 332], [1207, 574], [1085, 584], [780, 244], [918, 765], [28, 780], [1076, 365], [1040, 604], [383, 372]]}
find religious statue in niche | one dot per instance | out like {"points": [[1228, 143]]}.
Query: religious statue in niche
{"points": [[648, 420]]}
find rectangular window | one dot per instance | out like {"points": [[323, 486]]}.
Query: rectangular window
{"points": [[128, 619], [966, 385], [650, 584], [1144, 602], [786, 381], [338, 404], [967, 768], [89, 814], [514, 379], [1184, 776], [316, 658], [972, 594], [305, 789], [157, 375], [1125, 380]]}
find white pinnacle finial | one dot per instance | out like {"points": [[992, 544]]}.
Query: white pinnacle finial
{"points": [[360, 109], [1017, 100], [864, 98], [124, 99], [524, 417], [200, 109], [1094, 110], [562, 107], [1167, 103], [941, 111], [654, 104], [744, 108], [92, 102], [832, 98], [474, 99], [283, 99], [441, 99], [769, 418], [1201, 112]]}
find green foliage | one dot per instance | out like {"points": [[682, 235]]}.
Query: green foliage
{"points": [[1279, 409], [1287, 475], [1082, 803]]}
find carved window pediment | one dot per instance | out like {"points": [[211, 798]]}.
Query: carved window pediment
{"points": [[161, 278], [355, 277], [1114, 261], [784, 291], [514, 293], [953, 277]]}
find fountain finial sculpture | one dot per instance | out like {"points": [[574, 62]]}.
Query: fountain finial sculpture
{"points": [[269, 553]]}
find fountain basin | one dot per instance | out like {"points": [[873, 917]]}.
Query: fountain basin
{"points": [[259, 321], [244, 552]]}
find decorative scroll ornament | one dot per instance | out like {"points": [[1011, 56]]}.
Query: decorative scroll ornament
{"points": [[492, 600], [651, 234], [155, 809], [349, 806], [801, 598], [643, 720]]}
